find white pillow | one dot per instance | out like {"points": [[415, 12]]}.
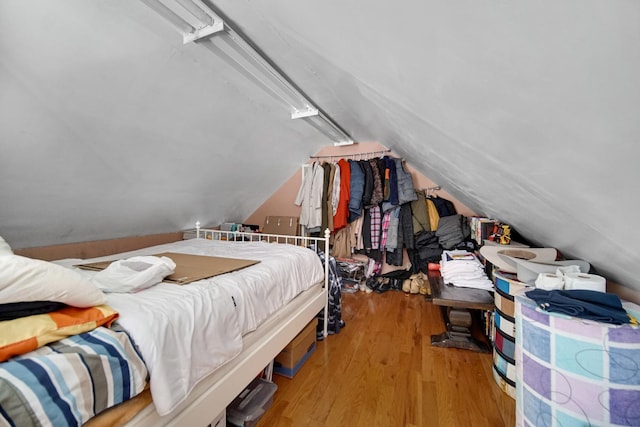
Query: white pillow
{"points": [[24, 279], [5, 249]]}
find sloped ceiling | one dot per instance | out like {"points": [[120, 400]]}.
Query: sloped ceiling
{"points": [[525, 111]]}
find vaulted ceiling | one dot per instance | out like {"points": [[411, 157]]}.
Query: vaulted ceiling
{"points": [[524, 111]]}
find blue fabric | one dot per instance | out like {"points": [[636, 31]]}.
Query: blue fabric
{"points": [[443, 206], [367, 191], [586, 304], [406, 191], [16, 310], [393, 180], [356, 190], [47, 386]]}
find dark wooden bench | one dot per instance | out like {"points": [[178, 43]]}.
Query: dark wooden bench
{"points": [[461, 310]]}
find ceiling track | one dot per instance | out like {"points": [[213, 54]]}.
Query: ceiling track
{"points": [[198, 23]]}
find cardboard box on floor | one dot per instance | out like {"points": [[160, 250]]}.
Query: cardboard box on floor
{"points": [[291, 359]]}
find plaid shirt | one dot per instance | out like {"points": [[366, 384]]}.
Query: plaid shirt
{"points": [[375, 227], [385, 229]]}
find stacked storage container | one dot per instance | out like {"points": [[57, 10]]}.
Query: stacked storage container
{"points": [[504, 331]]}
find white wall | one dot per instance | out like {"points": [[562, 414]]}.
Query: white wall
{"points": [[525, 111]]}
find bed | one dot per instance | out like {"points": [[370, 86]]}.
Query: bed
{"points": [[199, 364]]}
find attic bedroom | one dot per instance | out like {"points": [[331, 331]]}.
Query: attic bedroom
{"points": [[123, 124]]}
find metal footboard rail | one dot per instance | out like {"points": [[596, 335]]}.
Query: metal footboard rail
{"points": [[308, 242]]}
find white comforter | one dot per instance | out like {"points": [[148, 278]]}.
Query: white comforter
{"points": [[185, 332]]}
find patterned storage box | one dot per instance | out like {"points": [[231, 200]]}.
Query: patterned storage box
{"points": [[504, 331], [575, 372]]}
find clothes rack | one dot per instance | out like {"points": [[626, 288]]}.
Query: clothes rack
{"points": [[429, 190], [355, 156]]}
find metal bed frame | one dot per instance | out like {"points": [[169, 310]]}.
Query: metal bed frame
{"points": [[213, 394]]}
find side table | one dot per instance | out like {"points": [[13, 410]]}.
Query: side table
{"points": [[459, 310]]}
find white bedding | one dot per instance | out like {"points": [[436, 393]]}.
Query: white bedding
{"points": [[185, 332]]}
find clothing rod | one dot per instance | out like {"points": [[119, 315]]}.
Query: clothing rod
{"points": [[351, 155]]}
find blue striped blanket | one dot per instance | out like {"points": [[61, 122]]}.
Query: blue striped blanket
{"points": [[68, 382]]}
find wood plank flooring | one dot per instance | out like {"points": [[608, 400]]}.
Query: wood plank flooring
{"points": [[381, 370]]}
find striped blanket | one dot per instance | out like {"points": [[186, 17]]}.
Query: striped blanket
{"points": [[70, 381]]}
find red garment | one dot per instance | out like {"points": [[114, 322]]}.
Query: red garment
{"points": [[342, 212]]}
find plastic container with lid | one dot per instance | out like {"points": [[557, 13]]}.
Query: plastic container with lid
{"points": [[247, 409]]}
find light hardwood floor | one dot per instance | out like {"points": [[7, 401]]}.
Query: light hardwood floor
{"points": [[381, 370]]}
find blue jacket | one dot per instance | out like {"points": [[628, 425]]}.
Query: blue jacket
{"points": [[356, 190], [406, 191]]}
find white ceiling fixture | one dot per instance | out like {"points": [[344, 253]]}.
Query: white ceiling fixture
{"points": [[198, 22], [323, 124]]}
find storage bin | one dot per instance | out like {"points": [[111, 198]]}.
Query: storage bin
{"points": [[220, 420], [247, 409], [289, 361], [504, 331]]}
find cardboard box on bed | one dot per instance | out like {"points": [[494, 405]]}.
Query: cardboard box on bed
{"points": [[189, 268], [291, 359]]}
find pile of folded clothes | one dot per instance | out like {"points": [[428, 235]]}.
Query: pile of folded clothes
{"points": [[462, 268], [452, 230]]}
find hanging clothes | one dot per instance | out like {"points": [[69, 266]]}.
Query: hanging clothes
{"points": [[334, 312], [381, 168], [366, 229], [325, 196], [327, 217], [400, 227], [377, 195], [434, 216], [342, 211], [309, 198], [376, 225], [335, 193], [420, 214], [406, 191], [367, 191], [303, 198], [406, 226], [357, 189], [356, 231], [390, 171], [444, 207], [384, 229], [371, 228], [342, 244], [392, 233]]}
